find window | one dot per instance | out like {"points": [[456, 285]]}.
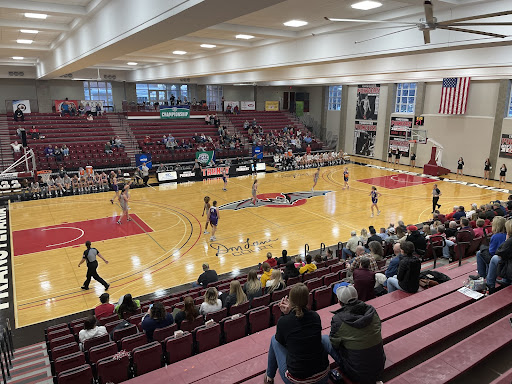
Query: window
{"points": [[510, 106], [334, 101], [98, 90], [214, 97], [160, 92], [405, 97]]}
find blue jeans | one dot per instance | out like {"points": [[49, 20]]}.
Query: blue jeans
{"points": [[277, 360], [492, 271], [393, 284], [326, 342], [346, 253], [481, 265]]}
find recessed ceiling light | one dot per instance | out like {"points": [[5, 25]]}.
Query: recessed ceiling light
{"points": [[208, 46], [17, 57], [36, 15], [23, 41], [296, 23], [29, 31], [244, 37], [131, 63], [366, 5], [179, 52]]}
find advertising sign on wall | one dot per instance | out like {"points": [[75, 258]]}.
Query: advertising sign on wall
{"points": [[248, 105], [24, 105], [398, 134], [271, 105], [367, 106], [364, 138], [506, 146], [143, 158]]}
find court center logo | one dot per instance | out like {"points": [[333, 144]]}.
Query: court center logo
{"points": [[274, 200]]}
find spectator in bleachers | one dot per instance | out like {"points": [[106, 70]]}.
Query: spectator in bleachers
{"points": [[376, 250], [309, 267], [356, 262], [298, 262], [270, 261], [147, 140], [284, 257], [252, 286], [208, 276], [265, 276], [275, 283], [355, 340], [89, 117], [254, 122], [118, 142], [108, 148], [246, 124], [90, 330], [156, 318], [415, 237], [460, 213], [81, 109], [127, 306], [207, 119], [484, 255], [236, 110], [57, 153], [373, 236], [383, 234], [211, 303], [65, 150], [72, 109], [498, 209], [479, 230], [290, 271], [87, 109], [448, 243], [451, 231], [34, 133], [363, 237], [189, 312], [16, 147], [64, 108], [501, 263], [48, 151], [105, 308], [407, 278], [469, 213], [297, 349], [465, 236], [236, 295], [18, 115], [317, 259], [392, 237], [392, 268]]}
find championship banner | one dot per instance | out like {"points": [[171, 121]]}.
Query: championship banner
{"points": [[24, 105], [143, 158], [506, 146], [58, 104], [232, 103], [364, 138], [367, 106], [181, 112], [271, 105], [398, 134], [248, 105], [205, 157]]}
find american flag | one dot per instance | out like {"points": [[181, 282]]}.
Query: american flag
{"points": [[454, 95]]}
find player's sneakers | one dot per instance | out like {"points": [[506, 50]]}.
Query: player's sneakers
{"points": [[84, 287], [118, 221], [213, 238], [378, 213], [371, 215], [224, 189], [205, 232], [129, 219], [107, 287], [112, 201]]}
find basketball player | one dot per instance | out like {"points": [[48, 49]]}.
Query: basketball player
{"points": [[104, 181], [76, 184], [213, 217], [345, 178], [254, 192], [224, 179], [35, 189], [51, 186], [436, 192], [59, 185], [206, 208], [115, 187], [413, 159], [67, 182], [375, 199], [315, 178], [124, 197], [92, 266]]}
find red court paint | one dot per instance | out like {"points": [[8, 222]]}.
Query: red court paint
{"points": [[75, 234], [400, 180]]}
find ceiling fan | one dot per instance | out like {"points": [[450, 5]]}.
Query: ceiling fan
{"points": [[430, 23]]}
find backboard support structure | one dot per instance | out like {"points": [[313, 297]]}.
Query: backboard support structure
{"points": [[417, 136]]}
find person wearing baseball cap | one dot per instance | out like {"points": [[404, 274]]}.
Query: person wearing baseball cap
{"points": [[355, 341], [415, 237]]}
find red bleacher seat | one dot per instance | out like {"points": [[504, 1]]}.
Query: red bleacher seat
{"points": [[64, 350], [505, 378], [136, 319], [189, 326], [178, 348], [278, 295], [322, 297], [207, 337], [276, 311], [314, 283], [126, 331], [331, 278], [56, 327], [108, 319], [217, 316], [133, 341], [259, 301], [78, 375], [147, 358], [160, 334], [111, 325], [240, 308], [294, 280], [233, 329], [70, 361], [95, 341], [58, 333], [113, 370], [56, 342], [337, 267], [101, 351], [258, 319]]}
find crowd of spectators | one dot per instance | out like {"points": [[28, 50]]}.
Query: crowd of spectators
{"points": [[288, 162]]}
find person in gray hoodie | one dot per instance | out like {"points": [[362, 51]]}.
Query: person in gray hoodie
{"points": [[355, 341]]}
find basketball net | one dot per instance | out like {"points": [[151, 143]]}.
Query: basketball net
{"points": [[45, 175]]}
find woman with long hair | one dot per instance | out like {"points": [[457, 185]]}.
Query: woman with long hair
{"points": [[499, 235], [275, 283], [156, 318], [236, 295], [296, 349], [206, 209], [460, 166], [211, 302], [487, 168], [252, 286], [290, 271], [189, 312], [124, 197], [90, 330], [376, 250], [503, 173], [115, 186], [127, 306]]}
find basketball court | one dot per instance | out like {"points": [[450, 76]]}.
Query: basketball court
{"points": [[164, 246]]}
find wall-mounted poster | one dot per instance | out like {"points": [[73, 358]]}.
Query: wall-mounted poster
{"points": [[506, 146], [24, 105], [398, 139], [367, 106], [364, 138]]}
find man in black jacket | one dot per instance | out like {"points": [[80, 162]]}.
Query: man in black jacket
{"points": [[373, 237], [355, 341], [208, 276], [417, 239], [408, 277]]}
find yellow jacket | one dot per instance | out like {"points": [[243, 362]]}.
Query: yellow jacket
{"points": [[307, 268], [265, 277]]}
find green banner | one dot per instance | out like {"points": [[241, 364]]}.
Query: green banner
{"points": [[204, 157], [180, 112], [299, 108]]}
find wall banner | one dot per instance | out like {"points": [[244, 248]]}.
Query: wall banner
{"points": [[181, 112], [24, 105], [59, 103], [271, 105], [506, 146], [398, 139], [367, 106], [364, 138], [248, 105]]}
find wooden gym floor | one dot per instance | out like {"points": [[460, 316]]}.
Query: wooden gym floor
{"points": [[165, 246]]}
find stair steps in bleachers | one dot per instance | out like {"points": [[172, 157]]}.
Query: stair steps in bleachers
{"points": [[126, 135], [6, 156], [31, 365]]}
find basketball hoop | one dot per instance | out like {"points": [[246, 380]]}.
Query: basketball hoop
{"points": [[45, 175]]}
